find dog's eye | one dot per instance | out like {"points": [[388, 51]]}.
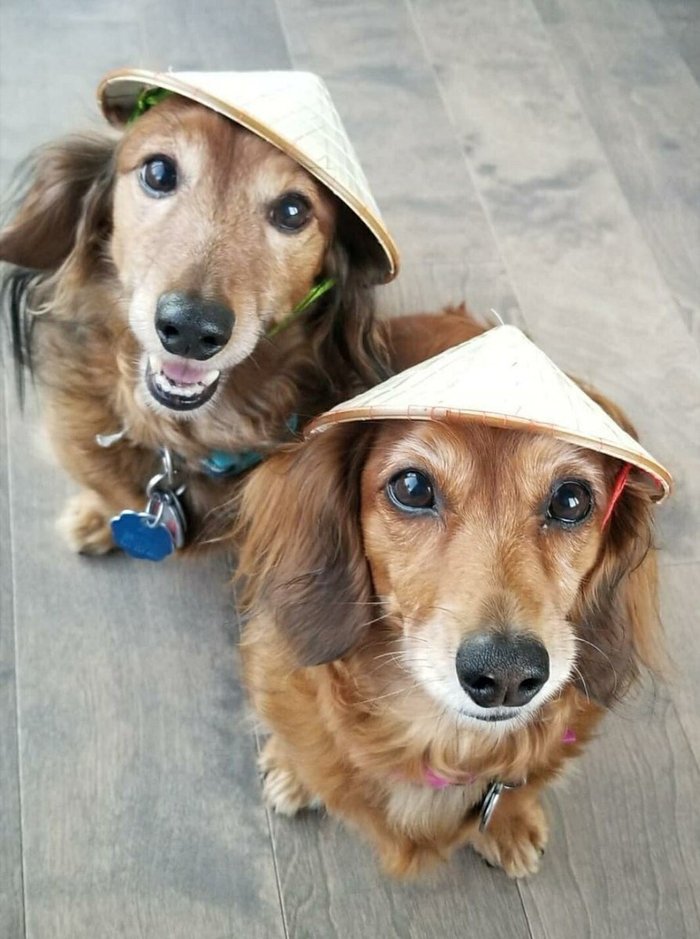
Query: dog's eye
{"points": [[158, 176], [411, 490], [291, 212], [571, 502]]}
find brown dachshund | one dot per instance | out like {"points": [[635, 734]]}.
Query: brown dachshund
{"points": [[435, 611], [153, 271]]}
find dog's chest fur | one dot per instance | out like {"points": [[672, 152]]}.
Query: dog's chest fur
{"points": [[418, 810]]}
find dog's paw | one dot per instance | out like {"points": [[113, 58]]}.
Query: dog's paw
{"points": [[516, 841], [282, 790], [84, 524]]}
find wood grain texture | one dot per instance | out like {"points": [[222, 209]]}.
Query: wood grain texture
{"points": [[643, 102], [679, 583], [681, 19], [11, 885]]}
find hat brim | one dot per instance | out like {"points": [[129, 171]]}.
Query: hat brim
{"points": [[661, 477], [119, 91]]}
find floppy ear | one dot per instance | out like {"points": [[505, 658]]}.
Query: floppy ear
{"points": [[68, 185], [302, 556], [344, 329], [617, 615]]}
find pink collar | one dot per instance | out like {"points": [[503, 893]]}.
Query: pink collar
{"points": [[436, 781]]}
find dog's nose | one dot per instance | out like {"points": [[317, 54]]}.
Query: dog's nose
{"points": [[192, 327], [500, 669]]}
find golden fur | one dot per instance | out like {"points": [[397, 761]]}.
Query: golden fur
{"points": [[355, 611], [92, 253]]}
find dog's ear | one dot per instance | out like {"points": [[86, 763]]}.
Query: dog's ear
{"points": [[345, 331], [67, 190], [617, 617], [302, 555]]}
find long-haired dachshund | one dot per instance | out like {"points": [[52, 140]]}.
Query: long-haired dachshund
{"points": [[437, 619], [150, 270]]}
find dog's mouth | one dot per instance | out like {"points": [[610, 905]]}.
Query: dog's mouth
{"points": [[180, 386], [499, 715]]}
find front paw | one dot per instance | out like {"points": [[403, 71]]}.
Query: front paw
{"points": [[515, 840], [282, 789], [84, 524]]}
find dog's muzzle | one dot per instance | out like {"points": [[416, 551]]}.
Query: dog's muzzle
{"points": [[193, 330]]}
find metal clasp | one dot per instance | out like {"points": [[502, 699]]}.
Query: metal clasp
{"points": [[490, 800]]}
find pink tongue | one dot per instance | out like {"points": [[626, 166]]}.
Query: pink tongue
{"points": [[184, 373]]}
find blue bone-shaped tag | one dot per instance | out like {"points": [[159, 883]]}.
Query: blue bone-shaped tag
{"points": [[137, 535]]}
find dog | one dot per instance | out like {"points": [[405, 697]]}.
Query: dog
{"points": [[151, 281], [437, 616]]}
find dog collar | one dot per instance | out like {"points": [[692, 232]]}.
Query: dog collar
{"points": [[437, 781], [495, 788], [221, 463]]}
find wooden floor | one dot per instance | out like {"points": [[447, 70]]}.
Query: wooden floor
{"points": [[541, 157]]}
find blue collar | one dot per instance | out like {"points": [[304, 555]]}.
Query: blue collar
{"points": [[222, 464]]}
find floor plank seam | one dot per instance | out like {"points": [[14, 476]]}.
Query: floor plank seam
{"points": [[273, 848], [519, 888], [13, 581]]}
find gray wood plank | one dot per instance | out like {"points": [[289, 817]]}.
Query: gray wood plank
{"points": [[679, 605], [11, 884], [681, 19], [429, 286], [588, 285], [644, 104], [623, 860]]}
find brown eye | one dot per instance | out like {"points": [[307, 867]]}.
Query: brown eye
{"points": [[158, 176], [291, 212], [412, 491], [571, 502]]}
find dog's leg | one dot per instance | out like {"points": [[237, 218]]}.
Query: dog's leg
{"points": [[84, 524], [113, 479], [282, 789], [516, 835]]}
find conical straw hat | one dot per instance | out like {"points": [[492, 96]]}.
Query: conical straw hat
{"points": [[291, 110], [502, 379]]}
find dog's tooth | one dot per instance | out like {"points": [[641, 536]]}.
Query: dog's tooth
{"points": [[210, 377]]}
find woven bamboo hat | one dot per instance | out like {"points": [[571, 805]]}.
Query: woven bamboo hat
{"points": [[291, 110], [501, 379]]}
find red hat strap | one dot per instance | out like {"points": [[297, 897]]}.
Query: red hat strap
{"points": [[620, 483]]}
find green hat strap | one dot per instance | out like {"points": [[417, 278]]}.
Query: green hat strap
{"points": [[316, 292], [148, 98]]}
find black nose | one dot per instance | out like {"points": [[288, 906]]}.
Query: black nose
{"points": [[192, 327], [499, 669]]}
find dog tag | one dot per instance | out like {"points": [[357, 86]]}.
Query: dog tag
{"points": [[152, 535], [490, 801]]}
